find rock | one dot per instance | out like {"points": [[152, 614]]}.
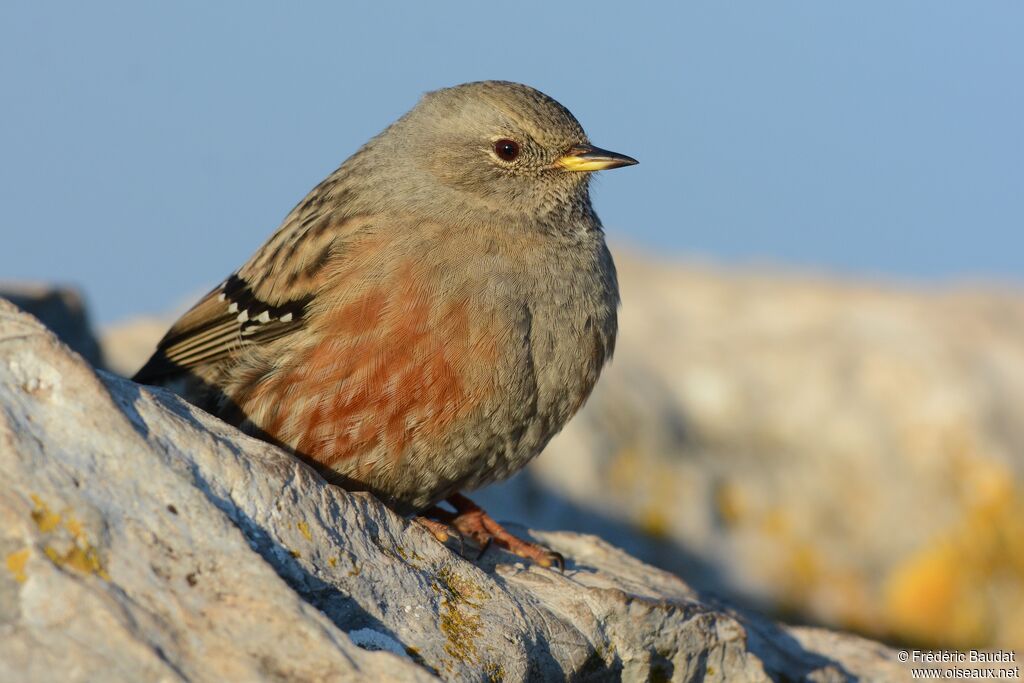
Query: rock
{"points": [[142, 539], [63, 310]]}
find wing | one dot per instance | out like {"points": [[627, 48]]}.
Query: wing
{"points": [[266, 299], [227, 319]]}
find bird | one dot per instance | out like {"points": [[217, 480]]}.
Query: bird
{"points": [[428, 317]]}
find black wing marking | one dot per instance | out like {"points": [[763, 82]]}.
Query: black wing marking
{"points": [[226, 320]]}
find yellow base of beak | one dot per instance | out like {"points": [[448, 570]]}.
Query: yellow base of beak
{"points": [[588, 158]]}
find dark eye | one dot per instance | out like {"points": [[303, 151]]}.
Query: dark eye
{"points": [[507, 150]]}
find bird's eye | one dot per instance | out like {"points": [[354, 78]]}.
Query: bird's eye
{"points": [[507, 150]]}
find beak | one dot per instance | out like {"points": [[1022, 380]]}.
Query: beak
{"points": [[590, 158]]}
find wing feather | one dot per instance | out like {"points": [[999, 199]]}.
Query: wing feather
{"points": [[267, 299], [226, 320]]}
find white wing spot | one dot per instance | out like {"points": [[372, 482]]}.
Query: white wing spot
{"points": [[233, 308], [243, 316], [263, 317], [286, 318], [222, 296]]}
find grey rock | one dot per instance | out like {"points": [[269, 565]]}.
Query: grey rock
{"points": [[62, 309], [141, 539]]}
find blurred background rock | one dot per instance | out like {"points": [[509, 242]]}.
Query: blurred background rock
{"points": [[60, 308], [830, 451]]}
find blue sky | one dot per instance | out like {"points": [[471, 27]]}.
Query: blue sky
{"points": [[146, 149]]}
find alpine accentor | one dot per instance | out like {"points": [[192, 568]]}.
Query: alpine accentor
{"points": [[428, 317]]}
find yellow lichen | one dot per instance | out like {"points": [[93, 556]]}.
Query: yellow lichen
{"points": [[333, 561], [731, 504], [773, 522], [461, 628], [494, 672], [85, 560], [74, 526], [304, 529], [938, 594], [460, 618], [16, 564], [654, 523], [625, 468], [45, 519], [81, 556]]}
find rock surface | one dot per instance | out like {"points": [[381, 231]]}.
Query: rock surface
{"points": [[141, 539]]}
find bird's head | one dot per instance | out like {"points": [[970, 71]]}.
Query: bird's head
{"points": [[495, 147]]}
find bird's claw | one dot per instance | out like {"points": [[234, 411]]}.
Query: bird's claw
{"points": [[554, 558], [470, 520], [438, 529]]}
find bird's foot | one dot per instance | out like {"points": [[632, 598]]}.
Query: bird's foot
{"points": [[469, 519], [472, 521], [438, 529]]}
